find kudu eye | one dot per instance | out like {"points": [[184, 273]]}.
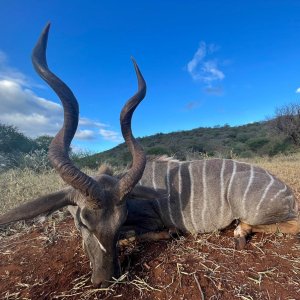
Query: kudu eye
{"points": [[83, 225], [85, 216]]}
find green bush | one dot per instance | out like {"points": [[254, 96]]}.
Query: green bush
{"points": [[246, 154], [279, 147], [239, 148], [157, 151], [11, 140], [255, 144]]}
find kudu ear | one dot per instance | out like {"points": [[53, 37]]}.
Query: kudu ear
{"points": [[46, 204]]}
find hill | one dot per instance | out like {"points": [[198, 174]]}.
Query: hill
{"points": [[255, 139]]}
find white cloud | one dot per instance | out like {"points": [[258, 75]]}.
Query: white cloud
{"points": [[198, 57], [33, 115], [85, 134], [110, 135], [88, 122], [298, 90], [203, 67], [36, 116]]}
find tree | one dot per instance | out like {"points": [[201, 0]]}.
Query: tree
{"points": [[287, 121], [11, 140], [43, 142]]}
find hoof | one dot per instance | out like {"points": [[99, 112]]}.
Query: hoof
{"points": [[240, 243]]}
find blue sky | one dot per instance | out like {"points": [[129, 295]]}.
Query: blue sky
{"points": [[206, 63]]}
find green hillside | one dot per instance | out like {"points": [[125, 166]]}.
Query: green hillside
{"points": [[256, 139]]}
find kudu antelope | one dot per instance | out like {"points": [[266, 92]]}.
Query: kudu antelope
{"points": [[97, 204], [192, 196]]}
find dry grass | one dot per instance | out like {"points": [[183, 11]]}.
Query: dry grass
{"points": [[18, 186]]}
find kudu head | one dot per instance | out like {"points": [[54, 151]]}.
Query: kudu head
{"points": [[99, 203]]}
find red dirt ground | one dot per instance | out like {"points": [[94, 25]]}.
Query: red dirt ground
{"points": [[48, 263]]}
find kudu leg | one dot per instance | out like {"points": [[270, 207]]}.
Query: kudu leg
{"points": [[243, 229], [290, 227], [147, 237], [154, 236], [240, 234]]}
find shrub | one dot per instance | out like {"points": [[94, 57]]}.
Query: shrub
{"points": [[11, 140], [36, 160], [256, 144], [246, 154], [157, 151]]}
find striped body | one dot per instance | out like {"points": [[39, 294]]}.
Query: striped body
{"points": [[207, 195]]}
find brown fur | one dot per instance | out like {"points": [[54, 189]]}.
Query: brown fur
{"points": [[105, 169], [147, 237], [243, 230], [290, 227]]}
